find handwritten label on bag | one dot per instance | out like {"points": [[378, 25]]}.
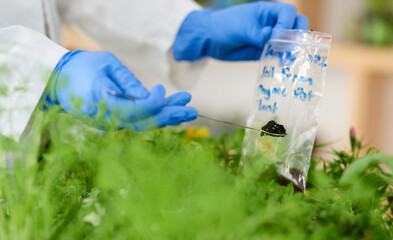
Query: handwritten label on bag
{"points": [[300, 93]]}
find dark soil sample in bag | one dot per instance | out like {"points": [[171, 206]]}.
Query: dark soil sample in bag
{"points": [[274, 128], [297, 180]]}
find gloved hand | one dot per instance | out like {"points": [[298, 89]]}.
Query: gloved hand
{"points": [[80, 84], [237, 33]]}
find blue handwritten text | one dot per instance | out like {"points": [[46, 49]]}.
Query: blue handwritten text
{"points": [[286, 57], [267, 92], [267, 108], [286, 74], [303, 95], [318, 59]]}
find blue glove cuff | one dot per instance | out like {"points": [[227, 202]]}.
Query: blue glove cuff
{"points": [[192, 40], [49, 95]]}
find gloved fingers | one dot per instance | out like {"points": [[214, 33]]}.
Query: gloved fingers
{"points": [[258, 36], [174, 115], [128, 110], [285, 14], [168, 116], [178, 99], [126, 80], [248, 53], [301, 22]]}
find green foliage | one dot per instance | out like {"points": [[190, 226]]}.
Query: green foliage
{"points": [[83, 184]]}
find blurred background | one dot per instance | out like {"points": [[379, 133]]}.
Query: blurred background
{"points": [[359, 84]]}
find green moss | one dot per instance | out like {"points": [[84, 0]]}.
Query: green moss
{"points": [[158, 185]]}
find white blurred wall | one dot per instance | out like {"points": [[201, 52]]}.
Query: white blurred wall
{"points": [[337, 16]]}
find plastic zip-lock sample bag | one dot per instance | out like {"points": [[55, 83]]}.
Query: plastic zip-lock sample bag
{"points": [[288, 94]]}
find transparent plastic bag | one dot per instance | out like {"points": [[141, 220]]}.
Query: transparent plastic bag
{"points": [[289, 92]]}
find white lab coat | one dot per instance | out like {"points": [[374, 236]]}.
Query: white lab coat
{"points": [[139, 32]]}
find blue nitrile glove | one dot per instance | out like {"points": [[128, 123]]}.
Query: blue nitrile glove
{"points": [[80, 84], [237, 33]]}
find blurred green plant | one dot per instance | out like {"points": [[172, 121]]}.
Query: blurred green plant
{"points": [[164, 184], [376, 26]]}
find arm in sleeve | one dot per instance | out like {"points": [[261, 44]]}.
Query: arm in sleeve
{"points": [[139, 32], [27, 59]]}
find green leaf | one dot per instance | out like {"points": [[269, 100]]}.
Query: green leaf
{"points": [[378, 179], [355, 170]]}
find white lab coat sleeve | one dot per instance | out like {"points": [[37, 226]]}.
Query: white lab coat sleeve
{"points": [[139, 32], [27, 59]]}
